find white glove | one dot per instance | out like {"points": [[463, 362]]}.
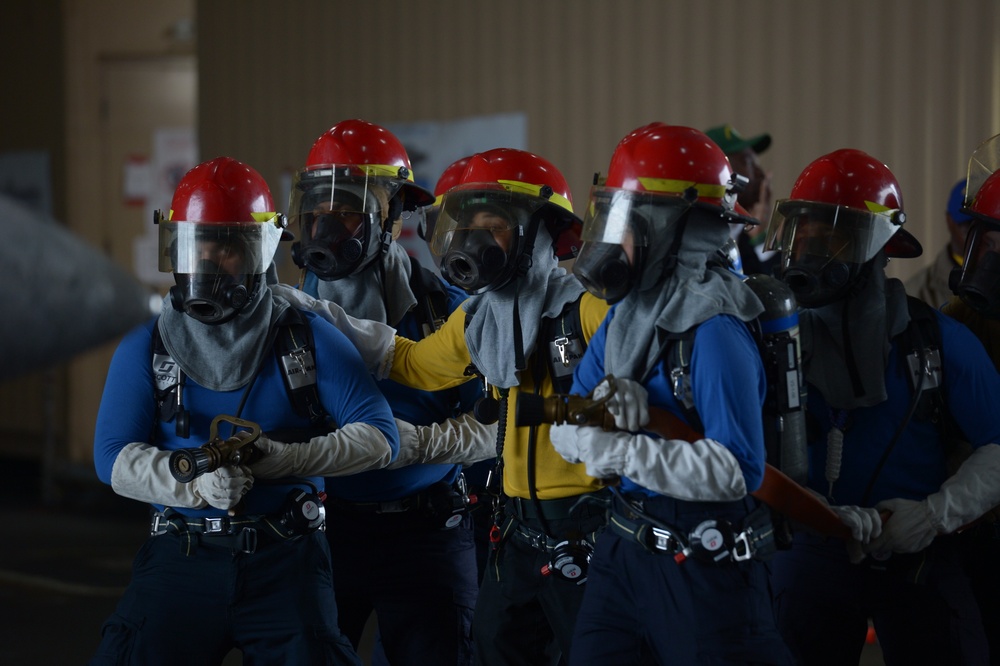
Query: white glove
{"points": [[629, 404], [356, 447], [375, 341], [142, 472], [566, 442], [865, 523], [693, 471], [908, 530], [965, 496], [225, 487], [459, 441]]}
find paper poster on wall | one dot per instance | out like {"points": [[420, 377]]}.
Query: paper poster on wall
{"points": [[175, 152], [433, 145]]}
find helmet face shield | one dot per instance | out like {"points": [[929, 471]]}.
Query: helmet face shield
{"points": [[479, 233], [823, 246], [977, 282], [217, 267], [617, 230], [984, 162], [338, 209]]}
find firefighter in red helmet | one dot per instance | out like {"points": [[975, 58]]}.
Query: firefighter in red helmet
{"points": [[232, 561], [349, 201], [888, 376], [976, 303], [503, 226], [682, 524]]}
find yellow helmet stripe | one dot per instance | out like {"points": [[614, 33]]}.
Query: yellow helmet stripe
{"points": [[536, 191], [671, 186], [384, 170], [876, 208]]}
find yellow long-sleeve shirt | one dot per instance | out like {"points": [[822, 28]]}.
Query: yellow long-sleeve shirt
{"points": [[440, 360]]}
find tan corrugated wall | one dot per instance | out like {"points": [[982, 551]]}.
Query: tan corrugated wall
{"points": [[913, 82]]}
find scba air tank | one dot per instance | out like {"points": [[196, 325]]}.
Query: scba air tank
{"points": [[785, 408]]}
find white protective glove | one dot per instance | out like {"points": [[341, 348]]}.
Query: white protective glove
{"points": [[459, 441], [970, 492], [356, 447], [142, 472], [692, 471], [629, 404], [865, 524], [375, 341]]}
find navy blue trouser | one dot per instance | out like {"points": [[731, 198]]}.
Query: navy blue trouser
{"points": [[922, 605], [276, 605], [524, 617], [644, 607], [420, 581]]}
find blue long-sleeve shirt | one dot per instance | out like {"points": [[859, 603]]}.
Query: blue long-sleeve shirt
{"points": [[918, 463], [727, 382], [128, 411]]}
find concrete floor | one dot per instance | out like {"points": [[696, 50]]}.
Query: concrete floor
{"points": [[64, 564]]}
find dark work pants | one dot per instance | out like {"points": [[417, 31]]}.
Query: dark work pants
{"points": [[922, 605], [420, 581], [523, 617], [645, 608], [981, 554], [276, 605]]}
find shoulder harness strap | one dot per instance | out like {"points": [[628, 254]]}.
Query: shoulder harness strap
{"points": [[677, 350], [920, 349], [432, 298], [565, 342], [294, 347]]}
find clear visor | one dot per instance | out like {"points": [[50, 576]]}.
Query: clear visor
{"points": [[624, 217], [214, 248], [801, 228], [983, 163], [983, 238], [482, 206], [352, 193]]}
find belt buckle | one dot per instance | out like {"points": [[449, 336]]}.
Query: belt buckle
{"points": [[539, 541], [742, 550], [663, 540], [158, 525], [216, 525]]}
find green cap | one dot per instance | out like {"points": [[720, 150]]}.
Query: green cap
{"points": [[731, 142]]}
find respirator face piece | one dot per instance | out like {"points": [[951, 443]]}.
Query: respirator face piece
{"points": [[977, 281], [824, 247], [479, 235]]}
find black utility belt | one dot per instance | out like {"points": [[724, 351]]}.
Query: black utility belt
{"points": [[574, 506], [442, 504], [414, 502], [538, 539], [241, 533], [713, 540]]}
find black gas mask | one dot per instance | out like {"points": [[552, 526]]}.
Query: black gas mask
{"points": [[212, 296], [480, 237], [334, 243], [603, 268], [475, 262], [827, 250], [816, 278], [977, 281]]}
